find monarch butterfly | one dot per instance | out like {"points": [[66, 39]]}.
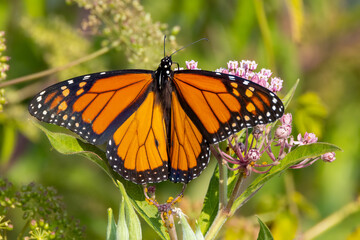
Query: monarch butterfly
{"points": [[157, 124]]}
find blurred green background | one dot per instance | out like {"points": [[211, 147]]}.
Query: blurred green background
{"points": [[316, 41]]}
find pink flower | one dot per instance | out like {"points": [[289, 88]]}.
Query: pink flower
{"points": [[253, 154], [260, 79], [222, 70], [240, 72], [283, 131], [248, 65], [232, 65], [249, 75], [191, 65], [308, 138], [276, 84], [286, 119], [252, 65], [263, 82], [266, 72], [255, 78], [328, 157]]}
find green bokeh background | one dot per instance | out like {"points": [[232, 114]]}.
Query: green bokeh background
{"points": [[319, 45]]}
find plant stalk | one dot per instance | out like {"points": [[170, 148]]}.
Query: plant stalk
{"points": [[332, 220], [218, 222], [58, 69], [170, 226], [222, 178]]}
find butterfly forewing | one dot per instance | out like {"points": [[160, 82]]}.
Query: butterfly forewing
{"points": [[94, 105], [221, 104]]}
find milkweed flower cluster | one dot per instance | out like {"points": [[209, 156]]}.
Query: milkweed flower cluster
{"points": [[246, 69], [246, 155], [4, 67]]}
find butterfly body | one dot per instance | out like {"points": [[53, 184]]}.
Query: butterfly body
{"points": [[157, 124]]}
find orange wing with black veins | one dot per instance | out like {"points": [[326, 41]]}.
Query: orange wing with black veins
{"points": [[95, 105], [138, 149]]}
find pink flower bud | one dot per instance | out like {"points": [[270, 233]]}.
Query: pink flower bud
{"points": [[222, 70], [253, 154], [191, 65], [308, 138], [266, 72], [283, 131], [232, 65], [328, 157], [258, 131], [255, 78], [240, 72], [286, 119], [276, 84], [252, 65]]}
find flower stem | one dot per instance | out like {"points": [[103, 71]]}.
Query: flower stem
{"points": [[332, 220], [224, 213], [222, 179], [22, 232], [219, 220], [170, 226], [58, 69], [236, 191]]}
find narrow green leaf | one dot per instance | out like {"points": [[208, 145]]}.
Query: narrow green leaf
{"points": [[122, 230], [132, 220], [8, 145], [198, 233], [264, 233], [211, 203], [68, 144], [288, 97], [187, 232], [111, 227], [295, 156]]}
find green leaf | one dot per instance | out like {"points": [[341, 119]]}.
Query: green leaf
{"points": [[187, 232], [67, 144], [288, 97], [264, 233], [111, 227], [7, 146], [132, 220], [198, 233], [295, 156], [122, 230], [211, 203]]}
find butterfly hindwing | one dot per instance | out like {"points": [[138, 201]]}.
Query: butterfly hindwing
{"points": [[222, 104], [138, 148], [189, 152], [93, 105]]}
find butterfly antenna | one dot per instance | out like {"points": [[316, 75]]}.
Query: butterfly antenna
{"points": [[164, 44], [189, 45]]}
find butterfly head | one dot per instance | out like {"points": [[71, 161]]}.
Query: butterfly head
{"points": [[165, 63], [164, 72]]}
